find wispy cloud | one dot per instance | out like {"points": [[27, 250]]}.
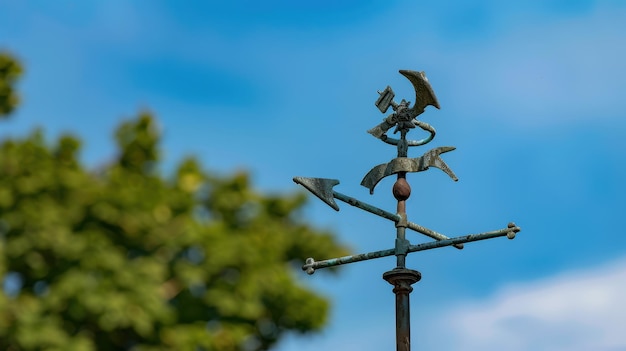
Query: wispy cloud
{"points": [[578, 310]]}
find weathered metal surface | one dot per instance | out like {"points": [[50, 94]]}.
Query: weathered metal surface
{"points": [[509, 232], [311, 265], [403, 119], [430, 233], [424, 94], [380, 130], [401, 192], [320, 187], [423, 125], [391, 216], [402, 279], [385, 99], [403, 115], [404, 164]]}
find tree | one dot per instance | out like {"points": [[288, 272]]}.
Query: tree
{"points": [[10, 71], [126, 259]]}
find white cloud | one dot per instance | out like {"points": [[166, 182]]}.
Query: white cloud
{"points": [[580, 310]]}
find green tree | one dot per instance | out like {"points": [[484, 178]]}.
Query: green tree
{"points": [[126, 259], [10, 71]]}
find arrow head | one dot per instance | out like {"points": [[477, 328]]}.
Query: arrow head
{"points": [[320, 187]]}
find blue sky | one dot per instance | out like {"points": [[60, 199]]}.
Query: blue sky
{"points": [[531, 95]]}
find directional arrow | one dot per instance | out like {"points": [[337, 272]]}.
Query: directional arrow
{"points": [[320, 187], [323, 189]]}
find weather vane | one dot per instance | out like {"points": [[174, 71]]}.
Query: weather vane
{"points": [[403, 119]]}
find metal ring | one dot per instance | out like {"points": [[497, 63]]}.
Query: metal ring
{"points": [[425, 126]]}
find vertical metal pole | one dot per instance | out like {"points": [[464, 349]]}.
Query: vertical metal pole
{"points": [[401, 192], [402, 278]]}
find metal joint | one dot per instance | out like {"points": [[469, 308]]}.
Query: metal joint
{"points": [[402, 221], [402, 247]]}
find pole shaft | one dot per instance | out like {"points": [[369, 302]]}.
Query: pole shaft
{"points": [[402, 279]]}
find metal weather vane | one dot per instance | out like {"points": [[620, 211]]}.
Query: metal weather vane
{"points": [[403, 118]]}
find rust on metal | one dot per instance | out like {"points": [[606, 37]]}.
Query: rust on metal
{"points": [[402, 280], [510, 231], [404, 164], [403, 119]]}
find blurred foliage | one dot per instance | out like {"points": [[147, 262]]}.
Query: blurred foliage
{"points": [[10, 71], [126, 259]]}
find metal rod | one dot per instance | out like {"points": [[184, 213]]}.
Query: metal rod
{"points": [[509, 232], [401, 191], [311, 265], [403, 319], [391, 216], [402, 279], [430, 233]]}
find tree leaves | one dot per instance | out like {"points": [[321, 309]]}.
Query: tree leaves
{"points": [[10, 71], [126, 259]]}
